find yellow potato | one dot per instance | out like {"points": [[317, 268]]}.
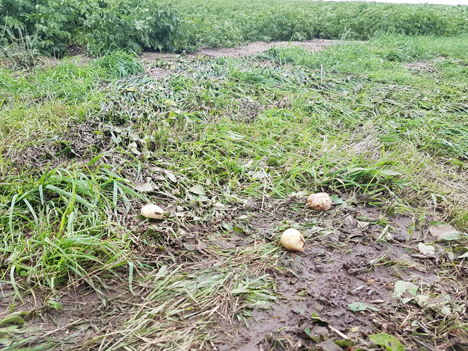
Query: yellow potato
{"points": [[293, 240], [152, 211]]}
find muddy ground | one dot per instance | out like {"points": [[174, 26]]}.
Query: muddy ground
{"points": [[354, 253], [347, 260]]}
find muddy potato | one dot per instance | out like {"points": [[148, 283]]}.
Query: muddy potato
{"points": [[293, 240], [152, 211], [319, 201]]}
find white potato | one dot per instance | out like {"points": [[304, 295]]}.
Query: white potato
{"points": [[293, 240]]}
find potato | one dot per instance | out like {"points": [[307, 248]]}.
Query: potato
{"points": [[293, 240], [152, 211], [319, 201]]}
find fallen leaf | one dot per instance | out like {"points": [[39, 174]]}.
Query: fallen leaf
{"points": [[197, 189], [258, 174], [134, 148], [388, 341], [318, 320], [404, 291], [344, 344], [426, 249], [440, 303], [337, 200], [362, 224], [171, 177], [443, 231], [234, 136], [190, 247], [465, 255], [201, 246]]}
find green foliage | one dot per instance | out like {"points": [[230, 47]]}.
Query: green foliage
{"points": [[102, 25], [67, 80], [349, 119], [227, 23], [98, 25]]}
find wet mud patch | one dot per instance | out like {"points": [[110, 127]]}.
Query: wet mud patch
{"points": [[341, 290]]}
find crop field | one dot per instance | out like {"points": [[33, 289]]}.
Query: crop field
{"points": [[230, 144]]}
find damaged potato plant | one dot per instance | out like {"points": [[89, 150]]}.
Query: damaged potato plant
{"points": [[231, 148]]}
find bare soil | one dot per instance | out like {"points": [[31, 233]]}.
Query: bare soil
{"points": [[246, 50], [348, 258]]}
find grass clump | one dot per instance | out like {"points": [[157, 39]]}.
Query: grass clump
{"points": [[55, 95], [62, 226]]}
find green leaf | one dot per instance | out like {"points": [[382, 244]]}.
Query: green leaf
{"points": [[389, 342], [240, 290], [67, 194], [130, 276], [337, 200], [344, 343], [404, 291], [401, 287], [426, 249], [13, 318], [357, 306]]}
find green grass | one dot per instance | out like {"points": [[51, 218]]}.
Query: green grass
{"points": [[64, 222], [383, 121]]}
